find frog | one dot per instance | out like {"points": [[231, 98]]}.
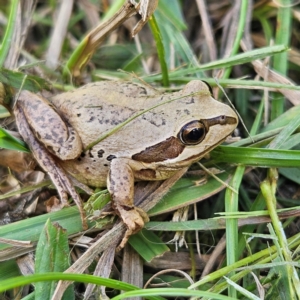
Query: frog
{"points": [[157, 134]]}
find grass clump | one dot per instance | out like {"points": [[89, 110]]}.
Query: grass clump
{"points": [[243, 239]]}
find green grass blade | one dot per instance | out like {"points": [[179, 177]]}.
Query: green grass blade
{"points": [[19, 80], [52, 255], [239, 34], [258, 157], [148, 245], [7, 141], [189, 193], [283, 36], [160, 50], [68, 218], [7, 39], [231, 206]]}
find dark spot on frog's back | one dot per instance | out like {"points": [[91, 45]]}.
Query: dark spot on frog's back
{"points": [[100, 153], [143, 91], [41, 119], [168, 149], [47, 136], [33, 106], [190, 100], [78, 115], [110, 157]]}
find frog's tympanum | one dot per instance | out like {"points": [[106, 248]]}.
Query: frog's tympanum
{"points": [[152, 146]]}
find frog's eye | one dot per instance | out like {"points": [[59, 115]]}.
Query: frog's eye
{"points": [[192, 133]]}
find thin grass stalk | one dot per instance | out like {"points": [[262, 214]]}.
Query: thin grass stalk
{"points": [[283, 34], [160, 50], [239, 34], [231, 206], [7, 40], [268, 188], [263, 256]]}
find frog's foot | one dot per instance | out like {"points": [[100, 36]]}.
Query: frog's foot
{"points": [[134, 218]]}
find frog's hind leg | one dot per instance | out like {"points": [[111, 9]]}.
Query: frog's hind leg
{"points": [[47, 162]]}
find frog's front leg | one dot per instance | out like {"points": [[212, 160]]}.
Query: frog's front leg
{"points": [[120, 183]]}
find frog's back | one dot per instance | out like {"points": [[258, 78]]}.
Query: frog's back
{"points": [[98, 107]]}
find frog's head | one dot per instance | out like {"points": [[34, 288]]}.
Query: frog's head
{"points": [[201, 124]]}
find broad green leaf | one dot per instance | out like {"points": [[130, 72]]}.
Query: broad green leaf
{"points": [[19, 80], [187, 191], [52, 255], [148, 245]]}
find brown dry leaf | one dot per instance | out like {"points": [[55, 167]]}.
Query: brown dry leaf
{"points": [[9, 184], [17, 161], [53, 204]]}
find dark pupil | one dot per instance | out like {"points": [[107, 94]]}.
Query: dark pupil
{"points": [[195, 134]]}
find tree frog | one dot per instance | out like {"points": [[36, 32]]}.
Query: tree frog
{"points": [[165, 132]]}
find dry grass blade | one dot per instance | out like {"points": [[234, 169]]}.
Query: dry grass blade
{"points": [[24, 17], [273, 76], [132, 268], [59, 33], [103, 269], [208, 31]]}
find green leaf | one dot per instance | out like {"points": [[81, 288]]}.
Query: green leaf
{"points": [[148, 245], [4, 113], [283, 119], [68, 218], [7, 141], [258, 157], [52, 255], [160, 50], [187, 191], [19, 80], [8, 36]]}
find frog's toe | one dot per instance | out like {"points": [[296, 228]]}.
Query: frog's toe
{"points": [[134, 218], [143, 214]]}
